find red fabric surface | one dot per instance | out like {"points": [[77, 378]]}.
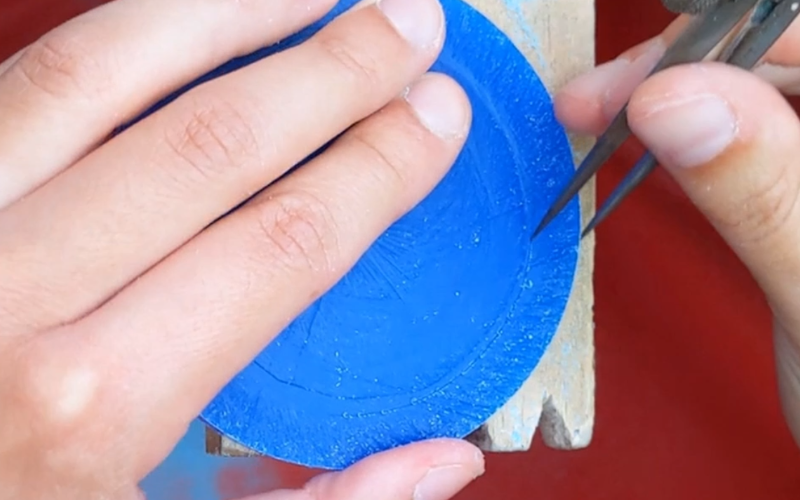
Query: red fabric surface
{"points": [[686, 400]]}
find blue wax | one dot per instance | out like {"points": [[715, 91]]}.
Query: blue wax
{"points": [[447, 314]]}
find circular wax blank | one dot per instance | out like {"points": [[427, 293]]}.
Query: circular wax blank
{"points": [[446, 315]]}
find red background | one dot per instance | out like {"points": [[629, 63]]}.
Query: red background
{"points": [[686, 399]]}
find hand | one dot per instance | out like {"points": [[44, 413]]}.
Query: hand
{"points": [[732, 142], [124, 306]]}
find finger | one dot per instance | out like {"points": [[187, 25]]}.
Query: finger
{"points": [[201, 156], [10, 61], [67, 91], [199, 317], [430, 470], [589, 102], [732, 142]]}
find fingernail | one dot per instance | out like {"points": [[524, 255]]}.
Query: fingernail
{"points": [[610, 84], [687, 131], [642, 61], [597, 81], [439, 106], [418, 21], [443, 483]]}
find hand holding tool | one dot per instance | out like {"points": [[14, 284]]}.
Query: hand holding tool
{"points": [[764, 22]]}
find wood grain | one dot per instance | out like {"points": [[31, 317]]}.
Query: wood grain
{"points": [[557, 37]]}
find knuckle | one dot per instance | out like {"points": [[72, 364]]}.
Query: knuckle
{"points": [[354, 61], [214, 137], [26, 305], [769, 205], [389, 166], [61, 65], [54, 394], [60, 408], [14, 312], [297, 231]]}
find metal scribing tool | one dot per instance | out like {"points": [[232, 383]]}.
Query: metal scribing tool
{"points": [[751, 26]]}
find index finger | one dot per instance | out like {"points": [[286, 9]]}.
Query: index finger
{"points": [[160, 349], [65, 93], [589, 102]]}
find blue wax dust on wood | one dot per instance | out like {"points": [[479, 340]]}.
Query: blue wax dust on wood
{"points": [[447, 314]]}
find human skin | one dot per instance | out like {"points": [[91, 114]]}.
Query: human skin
{"points": [[122, 313], [123, 309], [731, 141]]}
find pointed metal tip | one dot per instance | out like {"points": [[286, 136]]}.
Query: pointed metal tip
{"points": [[546, 220], [537, 232], [591, 227], [596, 220]]}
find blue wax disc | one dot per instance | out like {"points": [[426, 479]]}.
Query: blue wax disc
{"points": [[447, 314]]}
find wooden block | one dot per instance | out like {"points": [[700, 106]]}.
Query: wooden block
{"points": [[557, 37]]}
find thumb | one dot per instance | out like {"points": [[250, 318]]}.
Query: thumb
{"points": [[733, 144], [427, 470]]}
